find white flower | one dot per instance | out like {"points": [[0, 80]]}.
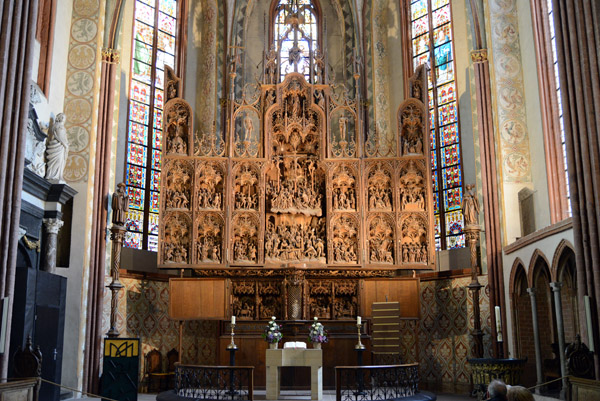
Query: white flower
{"points": [[273, 317], [316, 318]]}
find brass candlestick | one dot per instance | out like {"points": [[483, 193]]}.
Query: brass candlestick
{"points": [[359, 345], [232, 344]]}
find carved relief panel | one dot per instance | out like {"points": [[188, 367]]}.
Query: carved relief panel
{"points": [[269, 299], [210, 182], [177, 184], [345, 304], [294, 180], [415, 216], [176, 239], [178, 127], [243, 299], [379, 187], [245, 246], [414, 242], [320, 295], [344, 187], [412, 123], [412, 190], [345, 239], [380, 239], [247, 186], [210, 233]]}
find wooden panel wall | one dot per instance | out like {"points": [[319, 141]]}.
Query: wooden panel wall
{"points": [[193, 299], [403, 290]]}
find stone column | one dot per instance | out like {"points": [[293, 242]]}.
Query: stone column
{"points": [[117, 235], [577, 27], [536, 339], [17, 36], [52, 226], [472, 236], [556, 286]]}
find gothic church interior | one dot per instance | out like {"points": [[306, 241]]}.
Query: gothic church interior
{"points": [[170, 167]]}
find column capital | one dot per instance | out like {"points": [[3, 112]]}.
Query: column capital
{"points": [[556, 286], [111, 56], [53, 225], [479, 56], [531, 291]]}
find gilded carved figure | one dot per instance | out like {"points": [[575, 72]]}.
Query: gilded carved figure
{"points": [[120, 205], [470, 206]]}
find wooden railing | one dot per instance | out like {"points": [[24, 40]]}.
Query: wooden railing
{"points": [[25, 389], [214, 382], [382, 382]]}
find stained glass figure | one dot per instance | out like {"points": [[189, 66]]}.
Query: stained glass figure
{"points": [[295, 35], [154, 38], [431, 27]]}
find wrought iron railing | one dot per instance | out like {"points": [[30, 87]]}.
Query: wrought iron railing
{"points": [[214, 382], [382, 382]]}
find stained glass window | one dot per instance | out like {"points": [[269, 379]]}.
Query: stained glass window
{"points": [[295, 36], [431, 42], [154, 39], [559, 102]]}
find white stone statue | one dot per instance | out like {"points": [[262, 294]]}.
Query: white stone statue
{"points": [[57, 149]]}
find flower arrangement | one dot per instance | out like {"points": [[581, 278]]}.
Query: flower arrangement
{"points": [[272, 332], [317, 332]]}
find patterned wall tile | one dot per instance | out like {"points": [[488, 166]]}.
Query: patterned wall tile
{"points": [[143, 313], [441, 341]]}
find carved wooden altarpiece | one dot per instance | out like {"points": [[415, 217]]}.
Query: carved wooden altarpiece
{"points": [[288, 203]]}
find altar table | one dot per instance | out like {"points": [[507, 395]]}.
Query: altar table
{"points": [[276, 358]]}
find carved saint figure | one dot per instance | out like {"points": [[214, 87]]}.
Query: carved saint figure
{"points": [[57, 149], [470, 206], [343, 121], [248, 127], [319, 66], [271, 66], [120, 205]]}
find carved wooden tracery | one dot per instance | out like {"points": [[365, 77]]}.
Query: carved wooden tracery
{"points": [[290, 184]]}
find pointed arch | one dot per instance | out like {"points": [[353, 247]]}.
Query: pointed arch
{"points": [[563, 251], [535, 266], [515, 270]]}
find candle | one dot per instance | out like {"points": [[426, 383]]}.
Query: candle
{"points": [[232, 319], [498, 323], [358, 321], [588, 320]]}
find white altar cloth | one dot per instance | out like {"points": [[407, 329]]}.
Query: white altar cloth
{"points": [[276, 358]]}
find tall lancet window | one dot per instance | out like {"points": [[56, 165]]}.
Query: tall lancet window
{"points": [[295, 36], [431, 28], [154, 43]]}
